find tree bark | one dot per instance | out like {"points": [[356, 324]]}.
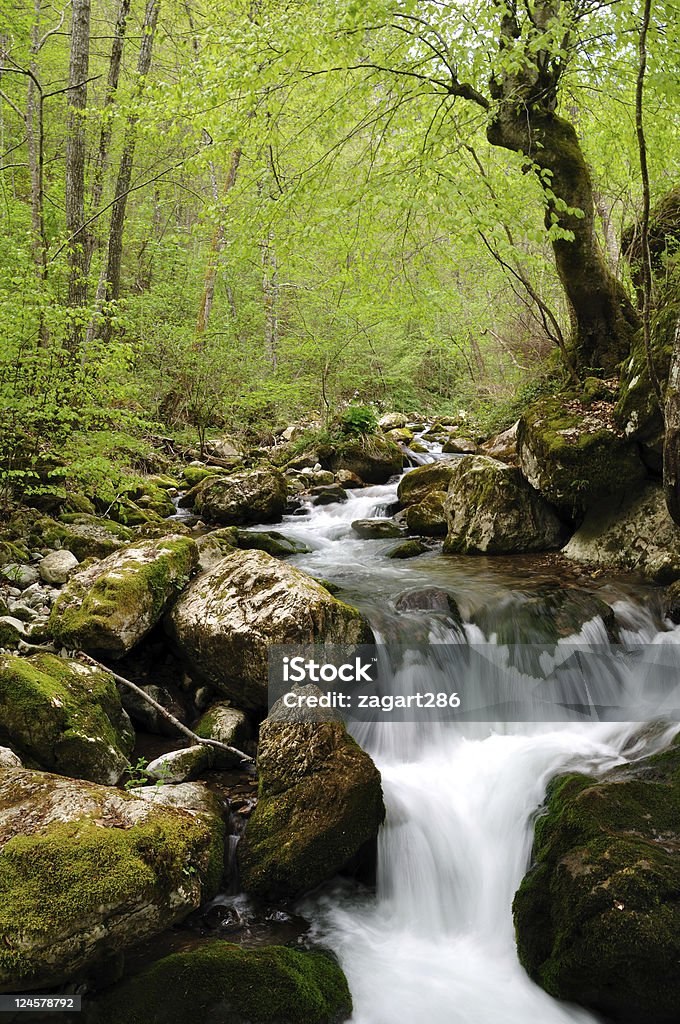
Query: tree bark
{"points": [[671, 444], [75, 161], [106, 131], [216, 247], [525, 121], [117, 227]]}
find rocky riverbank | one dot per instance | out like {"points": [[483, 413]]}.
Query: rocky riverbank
{"points": [[99, 850]]}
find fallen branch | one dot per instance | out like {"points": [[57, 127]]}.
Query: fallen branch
{"points": [[245, 758]]}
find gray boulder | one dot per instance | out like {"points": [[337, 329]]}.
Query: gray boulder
{"points": [[491, 509], [228, 618]]}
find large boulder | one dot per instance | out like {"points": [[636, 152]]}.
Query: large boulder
{"points": [[319, 809], [64, 716], [374, 458], [503, 446], [87, 871], [226, 621], [598, 914], [108, 607], [491, 509], [418, 485], [575, 455], [630, 533], [221, 983], [253, 496]]}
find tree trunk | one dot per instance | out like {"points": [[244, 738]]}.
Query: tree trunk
{"points": [[216, 246], [524, 121], [270, 291], [105, 134], [115, 246], [75, 161], [671, 445]]}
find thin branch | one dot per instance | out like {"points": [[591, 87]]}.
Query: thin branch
{"points": [[8, 101], [215, 744]]}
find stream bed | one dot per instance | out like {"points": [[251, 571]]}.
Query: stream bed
{"points": [[435, 942]]}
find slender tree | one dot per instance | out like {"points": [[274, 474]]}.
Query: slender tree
{"points": [[75, 161]]}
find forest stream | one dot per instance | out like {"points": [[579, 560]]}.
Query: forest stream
{"points": [[435, 943]]}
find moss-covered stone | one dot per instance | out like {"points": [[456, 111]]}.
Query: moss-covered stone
{"points": [[226, 621], [491, 509], [407, 549], [273, 543], [418, 485], [374, 458], [598, 914], [107, 608], [576, 456], [86, 871], [193, 475], [251, 496], [632, 532], [378, 529], [320, 806], [86, 536], [65, 716], [428, 517], [225, 984]]}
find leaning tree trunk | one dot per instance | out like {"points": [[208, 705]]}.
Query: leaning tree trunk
{"points": [[525, 121]]}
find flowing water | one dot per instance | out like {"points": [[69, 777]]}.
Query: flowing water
{"points": [[435, 943]]}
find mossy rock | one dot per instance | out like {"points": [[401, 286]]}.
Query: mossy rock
{"points": [[12, 632], [576, 457], [407, 549], [273, 543], [320, 807], [251, 496], [491, 509], [374, 458], [418, 485], [107, 608], [88, 871], [226, 621], [598, 915], [428, 517], [193, 475], [86, 536], [544, 615], [633, 533], [64, 716], [225, 984]]}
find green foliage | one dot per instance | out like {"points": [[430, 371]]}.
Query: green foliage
{"points": [[358, 420]]}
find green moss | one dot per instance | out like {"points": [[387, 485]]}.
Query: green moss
{"points": [[573, 462], [57, 880], [407, 549], [108, 609], [196, 474], [320, 802], [598, 915], [269, 985], [64, 717]]}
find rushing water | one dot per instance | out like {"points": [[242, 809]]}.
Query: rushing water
{"points": [[435, 944]]}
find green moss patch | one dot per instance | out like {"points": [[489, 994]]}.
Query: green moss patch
{"points": [[221, 981]]}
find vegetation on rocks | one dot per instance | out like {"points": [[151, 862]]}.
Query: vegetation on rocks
{"points": [[597, 915], [108, 607], [64, 716], [222, 982], [319, 809]]}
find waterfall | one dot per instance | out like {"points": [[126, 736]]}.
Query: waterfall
{"points": [[435, 943]]}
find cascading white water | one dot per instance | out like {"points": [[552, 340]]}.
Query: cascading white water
{"points": [[436, 943]]}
